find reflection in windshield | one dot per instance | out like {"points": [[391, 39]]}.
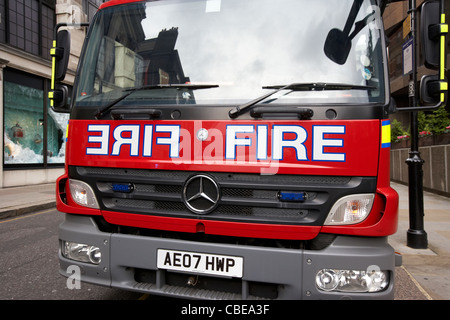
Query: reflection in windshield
{"points": [[243, 46]]}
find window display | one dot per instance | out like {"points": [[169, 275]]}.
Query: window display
{"points": [[30, 136]]}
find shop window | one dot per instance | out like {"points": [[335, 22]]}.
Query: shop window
{"points": [[33, 133], [56, 136]]}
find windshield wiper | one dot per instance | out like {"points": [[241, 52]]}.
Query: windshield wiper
{"points": [[309, 86], [100, 113]]}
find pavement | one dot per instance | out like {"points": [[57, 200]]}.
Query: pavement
{"points": [[428, 268], [424, 274]]}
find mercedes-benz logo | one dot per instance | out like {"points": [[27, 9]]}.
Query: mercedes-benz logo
{"points": [[202, 134], [201, 194]]}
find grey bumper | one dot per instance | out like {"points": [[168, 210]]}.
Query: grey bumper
{"points": [[291, 271]]}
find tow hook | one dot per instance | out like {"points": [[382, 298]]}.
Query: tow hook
{"points": [[192, 281]]}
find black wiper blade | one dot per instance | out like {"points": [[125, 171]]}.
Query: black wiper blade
{"points": [[189, 86], [308, 86], [235, 112], [322, 86], [129, 91]]}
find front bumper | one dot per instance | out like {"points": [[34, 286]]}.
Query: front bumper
{"points": [[129, 262]]}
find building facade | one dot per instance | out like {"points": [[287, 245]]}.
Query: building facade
{"points": [[32, 134], [396, 26], [433, 147]]}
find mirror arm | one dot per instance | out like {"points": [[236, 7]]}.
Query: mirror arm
{"points": [[57, 52], [435, 84], [352, 16], [421, 108], [437, 30], [64, 24]]}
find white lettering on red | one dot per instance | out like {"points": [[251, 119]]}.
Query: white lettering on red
{"points": [[127, 140]]}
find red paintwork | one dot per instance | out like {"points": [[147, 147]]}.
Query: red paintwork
{"points": [[361, 146], [111, 3], [364, 157]]}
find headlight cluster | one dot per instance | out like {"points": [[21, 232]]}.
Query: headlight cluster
{"points": [[352, 280], [81, 252]]}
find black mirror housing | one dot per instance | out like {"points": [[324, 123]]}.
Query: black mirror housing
{"points": [[59, 97], [433, 30], [61, 54], [59, 93], [430, 33], [431, 90], [60, 59], [337, 46]]}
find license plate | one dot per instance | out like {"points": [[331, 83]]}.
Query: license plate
{"points": [[204, 263]]}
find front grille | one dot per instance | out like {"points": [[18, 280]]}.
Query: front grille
{"points": [[243, 197], [206, 287]]}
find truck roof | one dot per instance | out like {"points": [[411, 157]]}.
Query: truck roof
{"points": [[115, 3]]}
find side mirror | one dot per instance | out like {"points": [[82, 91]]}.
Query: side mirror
{"points": [[59, 93], [339, 42], [433, 88], [61, 54], [337, 46], [59, 98], [429, 89], [429, 33], [60, 59]]}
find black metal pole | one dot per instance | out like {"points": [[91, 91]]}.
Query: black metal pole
{"points": [[416, 235]]}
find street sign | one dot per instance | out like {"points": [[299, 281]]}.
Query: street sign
{"points": [[407, 54]]}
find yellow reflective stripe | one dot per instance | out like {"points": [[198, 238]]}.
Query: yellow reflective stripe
{"points": [[443, 86], [52, 86], [50, 96], [385, 133], [442, 73], [444, 29], [52, 52]]}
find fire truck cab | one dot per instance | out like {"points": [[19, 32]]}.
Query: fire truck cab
{"points": [[229, 149]]}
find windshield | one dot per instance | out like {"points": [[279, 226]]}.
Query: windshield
{"points": [[232, 51]]}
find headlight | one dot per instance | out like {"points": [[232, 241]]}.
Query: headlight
{"points": [[371, 280], [83, 194], [350, 209], [81, 252]]}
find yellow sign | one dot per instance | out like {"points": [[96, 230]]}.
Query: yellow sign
{"points": [[406, 26]]}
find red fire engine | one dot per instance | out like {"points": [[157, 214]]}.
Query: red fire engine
{"points": [[230, 149]]}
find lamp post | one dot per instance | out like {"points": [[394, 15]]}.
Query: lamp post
{"points": [[416, 235]]}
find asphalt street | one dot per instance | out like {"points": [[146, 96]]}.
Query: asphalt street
{"points": [[29, 245]]}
